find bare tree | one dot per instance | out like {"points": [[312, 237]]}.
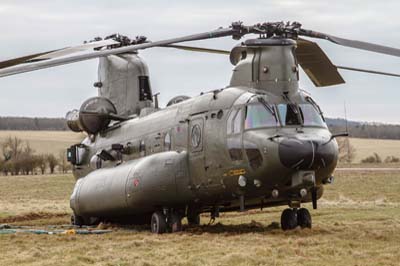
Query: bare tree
{"points": [[52, 161], [63, 162], [41, 163]]}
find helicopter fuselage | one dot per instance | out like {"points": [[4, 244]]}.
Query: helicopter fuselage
{"points": [[231, 149]]}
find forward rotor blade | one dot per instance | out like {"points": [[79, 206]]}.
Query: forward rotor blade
{"points": [[352, 43], [369, 71], [95, 54], [197, 49], [316, 64]]}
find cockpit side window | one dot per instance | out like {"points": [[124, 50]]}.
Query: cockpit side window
{"points": [[257, 116], [234, 123], [288, 115]]}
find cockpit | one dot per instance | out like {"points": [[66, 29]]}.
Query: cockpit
{"points": [[260, 114]]}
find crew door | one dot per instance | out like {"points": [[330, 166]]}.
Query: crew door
{"points": [[196, 150]]}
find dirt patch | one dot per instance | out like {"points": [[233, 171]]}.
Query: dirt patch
{"points": [[33, 216]]}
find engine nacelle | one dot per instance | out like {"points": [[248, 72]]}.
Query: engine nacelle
{"points": [[93, 116]]}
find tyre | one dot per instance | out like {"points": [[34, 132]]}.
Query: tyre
{"points": [[193, 218], [176, 223], [304, 218], [158, 223], [289, 219]]}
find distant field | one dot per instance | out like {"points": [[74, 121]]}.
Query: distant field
{"points": [[45, 141], [357, 223], [54, 141], [366, 147]]}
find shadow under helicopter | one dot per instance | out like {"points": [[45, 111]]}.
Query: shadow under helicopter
{"points": [[229, 229]]}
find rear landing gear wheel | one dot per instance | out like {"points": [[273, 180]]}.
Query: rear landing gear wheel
{"points": [[304, 218], [158, 223], [289, 219]]}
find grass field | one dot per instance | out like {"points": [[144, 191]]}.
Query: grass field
{"points": [[366, 147], [357, 223], [45, 141]]}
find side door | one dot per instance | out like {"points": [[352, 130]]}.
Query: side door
{"points": [[196, 150]]}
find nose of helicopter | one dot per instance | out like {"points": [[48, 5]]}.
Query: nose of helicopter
{"points": [[306, 154]]}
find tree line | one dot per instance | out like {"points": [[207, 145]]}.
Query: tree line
{"points": [[17, 157]]}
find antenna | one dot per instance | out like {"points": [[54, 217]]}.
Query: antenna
{"points": [[347, 131], [345, 116]]}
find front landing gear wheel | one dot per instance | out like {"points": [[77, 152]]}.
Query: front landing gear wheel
{"points": [[304, 218], [289, 219], [158, 223], [176, 223]]}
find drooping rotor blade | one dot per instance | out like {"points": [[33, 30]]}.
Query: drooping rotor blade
{"points": [[74, 49], [316, 64], [222, 32], [56, 53], [20, 60], [198, 49], [368, 71], [352, 43]]}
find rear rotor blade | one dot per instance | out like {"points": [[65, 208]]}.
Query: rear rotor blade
{"points": [[20, 60], [56, 53], [223, 32], [316, 64], [74, 49]]}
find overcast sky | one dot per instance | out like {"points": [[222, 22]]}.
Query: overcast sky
{"points": [[33, 26]]}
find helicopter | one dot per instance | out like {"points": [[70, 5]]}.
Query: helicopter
{"points": [[259, 142]]}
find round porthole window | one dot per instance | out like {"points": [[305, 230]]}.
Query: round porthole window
{"points": [[196, 136]]}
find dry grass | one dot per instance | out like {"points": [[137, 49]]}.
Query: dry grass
{"points": [[45, 141], [383, 147], [358, 223]]}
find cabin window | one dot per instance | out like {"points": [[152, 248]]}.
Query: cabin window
{"points": [[144, 89], [167, 142], [257, 116], [235, 148], [142, 148]]}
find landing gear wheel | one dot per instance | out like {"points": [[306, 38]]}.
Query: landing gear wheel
{"points": [[77, 220], [193, 218], [176, 223], [304, 218], [289, 219], [158, 223]]}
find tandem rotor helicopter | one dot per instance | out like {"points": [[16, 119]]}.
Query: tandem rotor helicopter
{"points": [[259, 142]]}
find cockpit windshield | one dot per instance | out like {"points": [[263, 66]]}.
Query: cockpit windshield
{"points": [[310, 116], [258, 115], [289, 115], [303, 114]]}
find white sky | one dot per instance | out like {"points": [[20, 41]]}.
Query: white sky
{"points": [[35, 26]]}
